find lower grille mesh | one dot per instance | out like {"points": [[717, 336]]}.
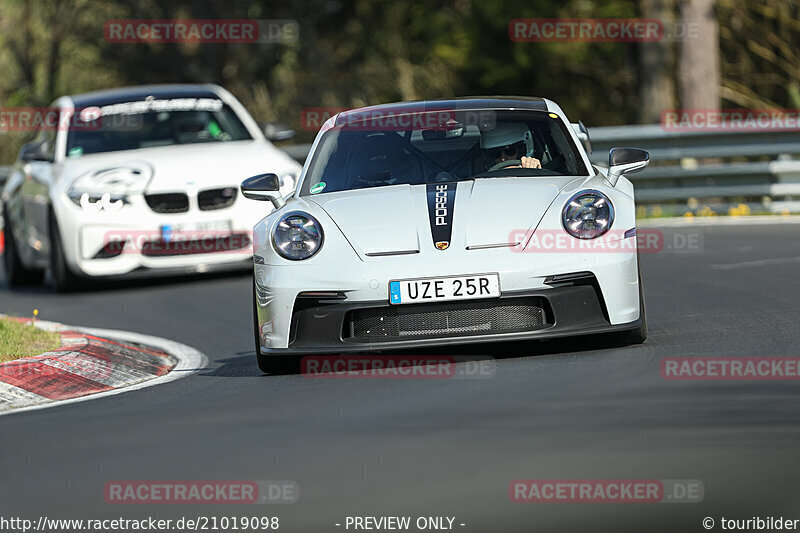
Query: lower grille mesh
{"points": [[445, 319]]}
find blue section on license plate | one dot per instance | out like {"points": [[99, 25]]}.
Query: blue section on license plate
{"points": [[394, 291], [166, 233]]}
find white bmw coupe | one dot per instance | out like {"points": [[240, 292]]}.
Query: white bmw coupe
{"points": [[445, 222], [135, 182]]}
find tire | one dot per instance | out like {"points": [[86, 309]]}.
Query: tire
{"points": [[638, 334], [63, 278], [17, 274], [271, 364]]}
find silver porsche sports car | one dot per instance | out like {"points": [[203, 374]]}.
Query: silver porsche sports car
{"points": [[443, 222]]}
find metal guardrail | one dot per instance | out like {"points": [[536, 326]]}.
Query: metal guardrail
{"points": [[715, 165], [666, 145]]}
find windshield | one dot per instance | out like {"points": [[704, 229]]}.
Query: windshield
{"points": [[152, 123], [436, 147]]}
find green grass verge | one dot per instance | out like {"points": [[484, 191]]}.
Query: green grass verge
{"points": [[21, 340]]}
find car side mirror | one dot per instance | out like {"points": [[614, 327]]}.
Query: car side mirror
{"points": [[625, 161], [275, 131], [264, 187], [34, 151]]}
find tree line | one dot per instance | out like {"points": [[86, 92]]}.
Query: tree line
{"points": [[360, 52]]}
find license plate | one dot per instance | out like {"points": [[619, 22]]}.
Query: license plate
{"points": [[194, 230], [409, 291]]}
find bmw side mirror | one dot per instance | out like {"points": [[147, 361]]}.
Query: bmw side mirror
{"points": [[264, 187], [625, 161], [33, 151], [26, 151], [275, 131]]}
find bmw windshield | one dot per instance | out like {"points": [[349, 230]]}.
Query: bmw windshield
{"points": [[444, 146], [152, 123]]}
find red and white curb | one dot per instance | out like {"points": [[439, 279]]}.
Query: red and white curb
{"points": [[92, 363]]}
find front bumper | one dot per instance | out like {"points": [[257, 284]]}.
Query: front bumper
{"points": [[86, 237], [326, 326], [364, 284]]}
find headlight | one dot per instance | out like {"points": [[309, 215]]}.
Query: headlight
{"points": [[297, 236], [588, 215], [109, 188]]}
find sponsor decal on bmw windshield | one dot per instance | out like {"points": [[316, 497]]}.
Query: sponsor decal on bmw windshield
{"points": [[441, 201]]}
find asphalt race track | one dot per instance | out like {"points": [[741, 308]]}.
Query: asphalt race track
{"points": [[556, 410]]}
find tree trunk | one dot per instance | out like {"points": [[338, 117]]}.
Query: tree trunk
{"points": [[657, 65], [20, 47], [698, 68]]}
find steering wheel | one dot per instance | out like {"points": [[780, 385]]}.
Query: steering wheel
{"points": [[442, 177], [506, 164]]}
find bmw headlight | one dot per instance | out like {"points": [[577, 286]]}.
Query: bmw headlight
{"points": [[109, 188], [297, 236], [588, 215]]}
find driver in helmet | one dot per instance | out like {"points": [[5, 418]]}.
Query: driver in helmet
{"points": [[509, 145]]}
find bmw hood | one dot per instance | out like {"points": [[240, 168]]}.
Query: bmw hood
{"points": [[202, 165], [404, 219]]}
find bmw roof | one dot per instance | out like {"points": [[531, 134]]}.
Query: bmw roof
{"points": [[133, 94]]}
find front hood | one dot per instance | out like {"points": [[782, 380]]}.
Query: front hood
{"points": [[202, 165], [494, 210], [398, 219], [379, 220]]}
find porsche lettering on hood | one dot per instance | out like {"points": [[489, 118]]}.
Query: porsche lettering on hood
{"points": [[441, 203]]}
